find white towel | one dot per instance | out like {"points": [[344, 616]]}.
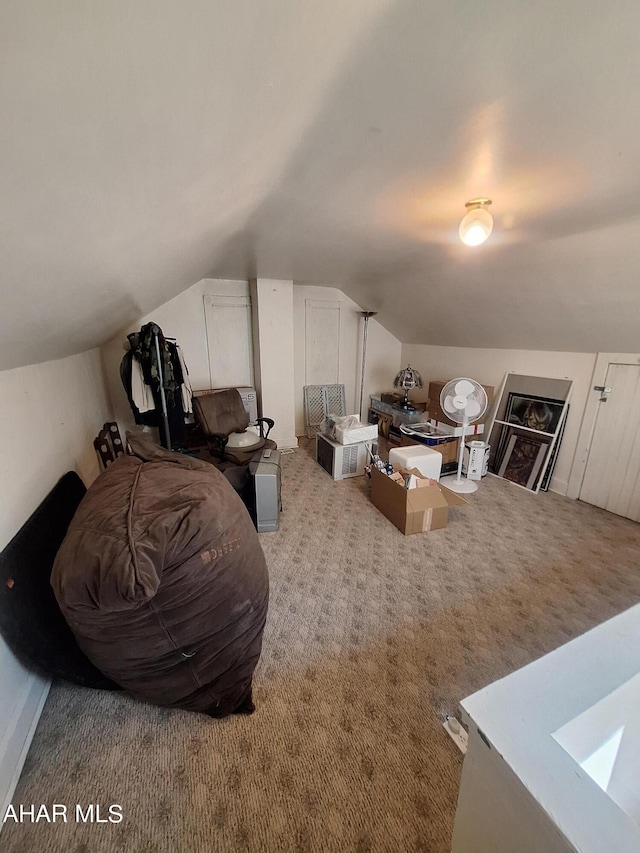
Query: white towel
{"points": [[186, 390], [140, 393]]}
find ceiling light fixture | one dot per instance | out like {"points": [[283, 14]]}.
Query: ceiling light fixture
{"points": [[477, 224]]}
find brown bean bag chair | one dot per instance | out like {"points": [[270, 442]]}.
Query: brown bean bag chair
{"points": [[163, 582]]}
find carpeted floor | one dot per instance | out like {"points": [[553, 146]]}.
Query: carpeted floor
{"points": [[371, 639]]}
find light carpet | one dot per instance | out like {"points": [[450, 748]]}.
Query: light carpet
{"points": [[372, 638]]}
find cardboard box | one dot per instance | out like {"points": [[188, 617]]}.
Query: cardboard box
{"points": [[436, 413], [448, 449], [413, 510], [449, 429], [384, 425], [391, 399]]}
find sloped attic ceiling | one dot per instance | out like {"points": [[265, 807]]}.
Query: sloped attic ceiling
{"points": [[148, 144]]}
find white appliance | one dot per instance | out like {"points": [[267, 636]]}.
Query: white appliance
{"points": [[476, 459], [250, 402], [341, 460], [266, 470], [464, 401]]}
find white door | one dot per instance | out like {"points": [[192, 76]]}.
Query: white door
{"points": [[322, 342], [228, 322], [612, 472]]}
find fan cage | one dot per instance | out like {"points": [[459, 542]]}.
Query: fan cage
{"points": [[478, 393]]}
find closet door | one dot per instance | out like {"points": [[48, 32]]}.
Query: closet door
{"points": [[229, 341], [612, 473], [322, 342]]}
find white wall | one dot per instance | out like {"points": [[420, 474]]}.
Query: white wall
{"points": [[489, 366], [181, 318], [272, 302], [50, 415], [383, 351], [384, 360]]}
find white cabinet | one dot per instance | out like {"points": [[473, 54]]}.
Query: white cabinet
{"points": [[529, 782]]}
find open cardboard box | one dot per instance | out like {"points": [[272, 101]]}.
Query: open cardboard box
{"points": [[413, 510]]}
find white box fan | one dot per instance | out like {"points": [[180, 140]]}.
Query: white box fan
{"points": [[465, 402]]}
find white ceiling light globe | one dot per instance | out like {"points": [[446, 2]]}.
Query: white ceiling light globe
{"points": [[477, 224]]}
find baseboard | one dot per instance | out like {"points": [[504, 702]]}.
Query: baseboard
{"points": [[560, 487], [287, 443], [18, 734]]}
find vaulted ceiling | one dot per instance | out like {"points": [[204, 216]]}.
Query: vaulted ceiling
{"points": [[149, 143]]}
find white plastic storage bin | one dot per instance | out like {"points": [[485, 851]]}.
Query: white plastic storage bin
{"points": [[424, 459]]}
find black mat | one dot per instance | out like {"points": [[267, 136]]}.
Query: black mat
{"points": [[30, 620]]}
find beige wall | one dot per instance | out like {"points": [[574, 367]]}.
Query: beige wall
{"points": [[489, 366], [383, 351], [50, 415], [272, 303], [183, 319], [348, 360]]}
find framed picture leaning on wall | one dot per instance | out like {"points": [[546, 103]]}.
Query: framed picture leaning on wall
{"points": [[535, 413], [523, 458], [533, 408], [539, 413]]}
